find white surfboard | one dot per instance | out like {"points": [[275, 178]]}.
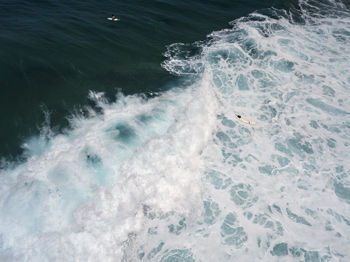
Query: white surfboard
{"points": [[245, 120], [111, 19]]}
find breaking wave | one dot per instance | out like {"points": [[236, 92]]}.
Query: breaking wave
{"points": [[178, 177]]}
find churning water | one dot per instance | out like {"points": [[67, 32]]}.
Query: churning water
{"points": [[177, 177]]}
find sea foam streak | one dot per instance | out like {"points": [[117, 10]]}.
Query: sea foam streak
{"points": [[148, 150], [178, 178]]}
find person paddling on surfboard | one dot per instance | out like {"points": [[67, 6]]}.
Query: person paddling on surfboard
{"points": [[245, 120], [113, 18]]}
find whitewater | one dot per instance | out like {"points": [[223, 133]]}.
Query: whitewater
{"points": [[177, 177]]}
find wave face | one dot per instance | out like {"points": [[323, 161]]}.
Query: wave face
{"points": [[178, 177]]}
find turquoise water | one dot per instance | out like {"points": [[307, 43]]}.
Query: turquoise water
{"points": [[176, 176], [54, 52]]}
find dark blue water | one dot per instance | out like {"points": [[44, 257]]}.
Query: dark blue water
{"points": [[121, 141], [53, 52]]}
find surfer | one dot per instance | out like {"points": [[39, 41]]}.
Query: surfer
{"points": [[245, 120], [113, 18]]}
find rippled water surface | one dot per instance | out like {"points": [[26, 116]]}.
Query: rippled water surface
{"points": [[176, 176]]}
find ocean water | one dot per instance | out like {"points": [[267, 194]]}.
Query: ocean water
{"points": [[52, 53], [169, 173]]}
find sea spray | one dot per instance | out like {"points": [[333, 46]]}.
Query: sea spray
{"points": [[178, 178]]}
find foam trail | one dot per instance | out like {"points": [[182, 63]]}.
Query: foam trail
{"points": [[278, 191], [139, 150], [179, 178]]}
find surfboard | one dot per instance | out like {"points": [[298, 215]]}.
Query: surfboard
{"points": [[111, 19], [245, 120]]}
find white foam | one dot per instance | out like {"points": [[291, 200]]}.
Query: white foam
{"points": [[157, 168], [179, 177]]}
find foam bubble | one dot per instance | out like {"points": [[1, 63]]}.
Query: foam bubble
{"points": [[179, 177]]}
